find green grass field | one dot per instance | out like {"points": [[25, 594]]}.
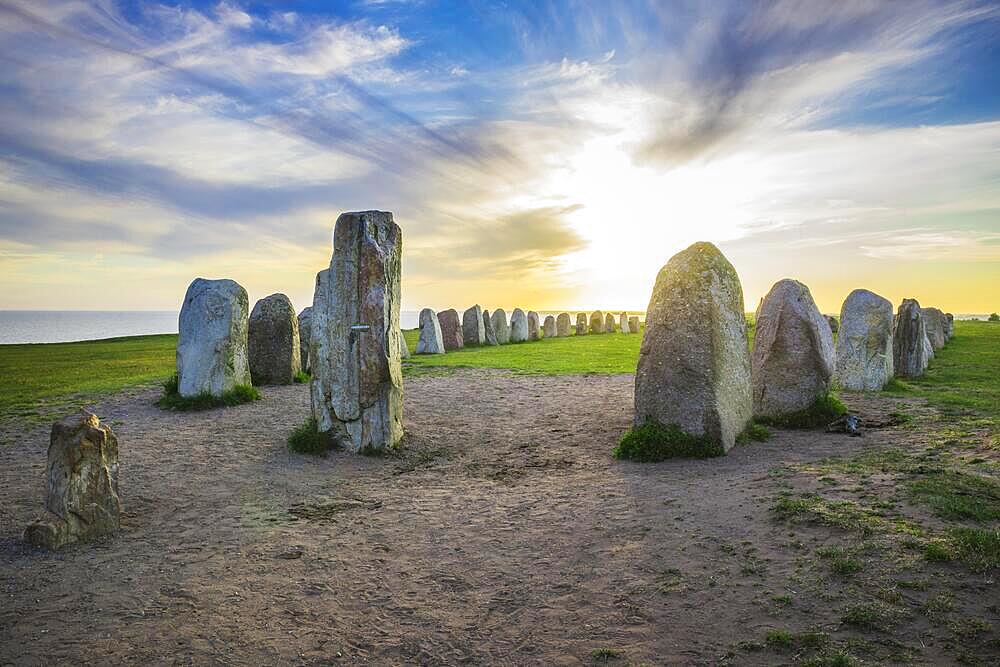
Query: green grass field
{"points": [[38, 380]]}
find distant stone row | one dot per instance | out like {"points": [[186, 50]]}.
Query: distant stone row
{"points": [[696, 371], [443, 332]]}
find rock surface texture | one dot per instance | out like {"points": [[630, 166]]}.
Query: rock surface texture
{"points": [[305, 331], [273, 341], [451, 329], [563, 325], [473, 332], [490, 332], [910, 347], [581, 324], [518, 326], [430, 341], [597, 322], [534, 330], [82, 500], [549, 327], [357, 385], [937, 327], [864, 345], [500, 326], [212, 343], [832, 321], [694, 363], [793, 357]]}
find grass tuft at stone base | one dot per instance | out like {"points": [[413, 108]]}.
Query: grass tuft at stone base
{"points": [[307, 439], [826, 409], [655, 442], [172, 400]]}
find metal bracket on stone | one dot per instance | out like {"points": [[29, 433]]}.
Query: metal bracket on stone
{"points": [[849, 424], [359, 328]]}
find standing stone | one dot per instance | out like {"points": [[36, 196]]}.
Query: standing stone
{"points": [[430, 341], [473, 332], [518, 326], [534, 332], [949, 326], [305, 332], [633, 324], [357, 385], [562, 325], [694, 365], [623, 326], [404, 347], [549, 327], [581, 324], [936, 325], [273, 341], [609, 323], [833, 324], [864, 346], [491, 334], [212, 343], [451, 329], [500, 326], [82, 501], [597, 322], [793, 357], [910, 347]]}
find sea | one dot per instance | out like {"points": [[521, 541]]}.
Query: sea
{"points": [[61, 326]]}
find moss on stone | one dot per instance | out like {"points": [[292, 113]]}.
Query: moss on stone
{"points": [[652, 441], [826, 409], [172, 400]]}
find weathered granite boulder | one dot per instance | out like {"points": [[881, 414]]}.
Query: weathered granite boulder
{"points": [[82, 501], [212, 343], [694, 364], [832, 322], [273, 341], [793, 357], [910, 348], [430, 341], [597, 322], [490, 332], [549, 327], [623, 326], [581, 324], [949, 321], [864, 346], [451, 330], [500, 326], [534, 331], [518, 326], [473, 331], [937, 327], [305, 331], [633, 324], [563, 325], [357, 385]]}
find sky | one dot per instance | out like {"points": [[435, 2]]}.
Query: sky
{"points": [[540, 154]]}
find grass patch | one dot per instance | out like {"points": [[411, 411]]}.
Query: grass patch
{"points": [[780, 638], [958, 495], [655, 442], [171, 400], [754, 432], [844, 514], [605, 655], [307, 439], [977, 548], [302, 377], [874, 616], [826, 409]]}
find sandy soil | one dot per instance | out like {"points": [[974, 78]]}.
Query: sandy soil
{"points": [[506, 534]]}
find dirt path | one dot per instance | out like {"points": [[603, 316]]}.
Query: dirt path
{"points": [[506, 534]]}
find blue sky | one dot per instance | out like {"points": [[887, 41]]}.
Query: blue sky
{"points": [[536, 154]]}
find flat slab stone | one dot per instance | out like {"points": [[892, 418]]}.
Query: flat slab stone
{"points": [[451, 329], [473, 330], [430, 341], [491, 334]]}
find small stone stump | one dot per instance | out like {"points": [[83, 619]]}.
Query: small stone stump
{"points": [[473, 331], [563, 325], [534, 331], [518, 326], [82, 501], [549, 327], [273, 345], [430, 341], [581, 324], [212, 343], [597, 322], [500, 326], [451, 330]]}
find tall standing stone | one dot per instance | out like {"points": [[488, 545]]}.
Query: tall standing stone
{"points": [[305, 332], [864, 345], [597, 322], [937, 327], [500, 326], [430, 341], [404, 347], [633, 324], [518, 326], [910, 347], [549, 327], [562, 325], [793, 357], [357, 385], [212, 343], [490, 332], [609, 323], [623, 326], [581, 324], [694, 363], [451, 330], [949, 325], [273, 341], [473, 332], [82, 500], [534, 331]]}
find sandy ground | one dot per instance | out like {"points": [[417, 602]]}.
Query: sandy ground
{"points": [[506, 534]]}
